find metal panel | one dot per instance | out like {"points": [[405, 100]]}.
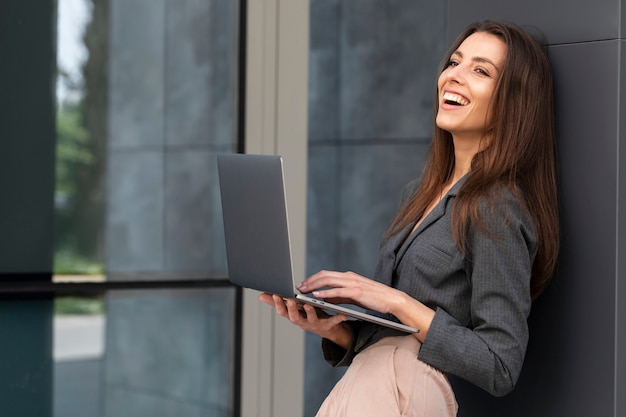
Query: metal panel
{"points": [[571, 352], [28, 140], [620, 316], [562, 21]]}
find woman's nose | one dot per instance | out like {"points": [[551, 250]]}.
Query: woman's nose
{"points": [[455, 74]]}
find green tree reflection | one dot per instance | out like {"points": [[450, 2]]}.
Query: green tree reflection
{"points": [[81, 155]]}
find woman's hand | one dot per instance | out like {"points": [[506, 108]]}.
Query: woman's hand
{"points": [[351, 288], [312, 319]]}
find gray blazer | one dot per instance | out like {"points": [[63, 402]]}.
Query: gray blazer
{"points": [[481, 301]]}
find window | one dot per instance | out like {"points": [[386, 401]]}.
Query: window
{"points": [[114, 292]]}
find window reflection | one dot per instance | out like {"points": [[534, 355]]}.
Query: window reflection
{"points": [[78, 354], [81, 135], [146, 96], [138, 353]]}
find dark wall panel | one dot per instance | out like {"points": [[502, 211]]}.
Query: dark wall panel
{"points": [[571, 354], [27, 146], [574, 365], [562, 21], [620, 346], [26, 350], [27, 70]]}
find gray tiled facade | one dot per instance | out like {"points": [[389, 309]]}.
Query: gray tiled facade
{"points": [[136, 74], [194, 234], [372, 72], [135, 214], [164, 351], [171, 109]]}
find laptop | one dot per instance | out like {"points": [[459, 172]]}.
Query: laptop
{"points": [[256, 229]]}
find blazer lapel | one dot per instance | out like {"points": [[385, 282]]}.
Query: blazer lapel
{"points": [[394, 248], [387, 256], [435, 214]]}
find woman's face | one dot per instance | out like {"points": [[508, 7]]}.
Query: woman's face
{"points": [[466, 85]]}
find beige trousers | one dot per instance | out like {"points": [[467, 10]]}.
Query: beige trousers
{"points": [[388, 380]]}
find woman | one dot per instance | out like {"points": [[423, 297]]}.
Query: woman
{"points": [[473, 243]]}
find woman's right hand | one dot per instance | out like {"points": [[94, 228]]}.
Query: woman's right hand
{"points": [[312, 319]]}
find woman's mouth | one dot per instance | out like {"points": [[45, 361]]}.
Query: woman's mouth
{"points": [[455, 99]]}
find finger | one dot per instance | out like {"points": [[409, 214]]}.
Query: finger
{"points": [[324, 320], [330, 279], [279, 303], [343, 293], [294, 313], [312, 313], [267, 299], [336, 319], [325, 276]]}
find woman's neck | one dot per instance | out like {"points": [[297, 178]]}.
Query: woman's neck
{"points": [[464, 152], [462, 165]]}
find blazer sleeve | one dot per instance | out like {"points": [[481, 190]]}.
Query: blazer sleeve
{"points": [[335, 355], [490, 351]]}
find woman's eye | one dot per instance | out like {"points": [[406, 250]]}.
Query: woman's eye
{"points": [[482, 71], [452, 63]]}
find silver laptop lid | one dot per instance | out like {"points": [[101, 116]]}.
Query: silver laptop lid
{"points": [[255, 222], [257, 232]]}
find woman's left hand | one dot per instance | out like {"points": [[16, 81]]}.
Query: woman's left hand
{"points": [[351, 288]]}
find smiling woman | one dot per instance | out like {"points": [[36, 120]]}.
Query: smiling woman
{"points": [[465, 89], [474, 242]]}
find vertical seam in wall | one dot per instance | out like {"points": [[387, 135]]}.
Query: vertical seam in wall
{"points": [[277, 59], [276, 67], [617, 229], [619, 24], [339, 133], [163, 144], [240, 85], [446, 20]]}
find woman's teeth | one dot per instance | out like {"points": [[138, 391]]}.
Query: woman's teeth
{"points": [[455, 99]]}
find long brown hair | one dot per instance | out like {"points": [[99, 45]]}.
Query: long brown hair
{"points": [[521, 154]]}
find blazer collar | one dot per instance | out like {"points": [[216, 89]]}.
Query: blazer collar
{"points": [[403, 240]]}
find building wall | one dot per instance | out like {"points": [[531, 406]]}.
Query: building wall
{"points": [[372, 72], [574, 365], [171, 109]]}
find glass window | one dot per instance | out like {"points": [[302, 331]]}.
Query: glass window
{"points": [[128, 312], [138, 353], [146, 97]]}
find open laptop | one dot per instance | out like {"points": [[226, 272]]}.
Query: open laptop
{"points": [[256, 229]]}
